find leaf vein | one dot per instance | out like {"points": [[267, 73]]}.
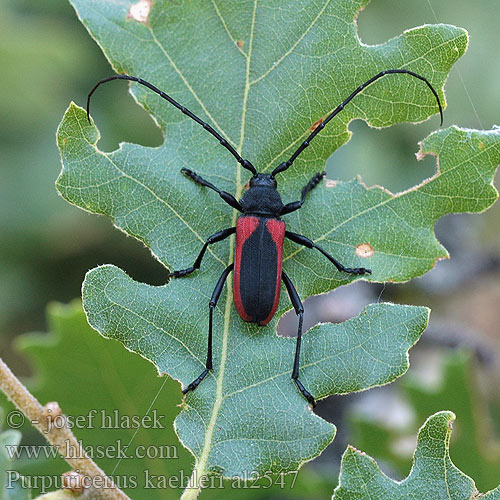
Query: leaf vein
{"points": [[294, 46]]}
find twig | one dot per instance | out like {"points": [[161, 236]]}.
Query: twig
{"points": [[59, 436]]}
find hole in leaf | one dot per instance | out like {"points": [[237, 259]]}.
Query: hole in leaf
{"points": [[333, 307], [372, 24], [120, 119], [383, 156]]}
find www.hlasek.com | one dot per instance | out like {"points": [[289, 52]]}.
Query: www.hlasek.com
{"points": [[116, 450]]}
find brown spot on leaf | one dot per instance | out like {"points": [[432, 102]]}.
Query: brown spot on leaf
{"points": [[364, 250], [329, 183], [140, 11], [246, 187], [240, 43], [315, 125]]}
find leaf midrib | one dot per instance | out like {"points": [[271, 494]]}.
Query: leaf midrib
{"points": [[200, 468]]}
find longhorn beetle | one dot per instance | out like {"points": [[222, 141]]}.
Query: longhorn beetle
{"points": [[257, 268]]}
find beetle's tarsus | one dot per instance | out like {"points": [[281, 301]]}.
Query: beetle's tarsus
{"points": [[188, 173], [357, 270], [305, 392], [195, 383], [181, 273]]}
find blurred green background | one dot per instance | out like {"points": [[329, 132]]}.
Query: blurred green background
{"points": [[48, 59]]}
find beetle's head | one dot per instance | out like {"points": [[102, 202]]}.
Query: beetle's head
{"points": [[262, 197], [266, 180]]}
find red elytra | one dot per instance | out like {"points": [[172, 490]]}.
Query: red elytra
{"points": [[257, 267]]}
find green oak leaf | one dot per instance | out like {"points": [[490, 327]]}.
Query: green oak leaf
{"points": [[261, 76], [433, 475], [460, 391]]}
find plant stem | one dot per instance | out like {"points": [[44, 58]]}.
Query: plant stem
{"points": [[192, 491], [61, 437]]}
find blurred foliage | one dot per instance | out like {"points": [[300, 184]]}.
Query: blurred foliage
{"points": [[112, 385], [9, 439], [457, 390]]}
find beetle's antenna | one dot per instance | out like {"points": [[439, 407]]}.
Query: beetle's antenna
{"points": [[283, 166], [244, 163]]}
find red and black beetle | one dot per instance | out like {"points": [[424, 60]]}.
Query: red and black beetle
{"points": [[257, 268]]}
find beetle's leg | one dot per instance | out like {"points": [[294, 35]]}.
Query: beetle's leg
{"points": [[228, 198], [213, 302], [302, 240], [299, 310], [295, 205], [221, 235]]}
